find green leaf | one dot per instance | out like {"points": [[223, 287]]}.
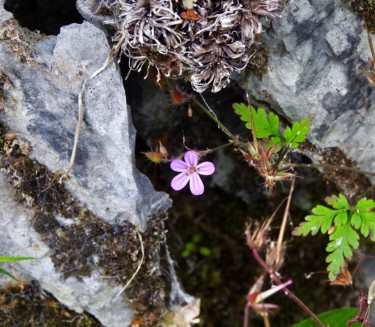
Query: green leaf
{"points": [[321, 220], [189, 248], [341, 218], [11, 259], [356, 221], [368, 222], [4, 272], [298, 133], [204, 251], [313, 224], [339, 202], [265, 125], [243, 111], [342, 240], [365, 205], [347, 222], [337, 317]]}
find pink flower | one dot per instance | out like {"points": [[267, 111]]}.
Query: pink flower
{"points": [[189, 172]]}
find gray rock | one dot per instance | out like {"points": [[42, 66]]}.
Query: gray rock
{"points": [[45, 113], [316, 51], [18, 238], [46, 74]]}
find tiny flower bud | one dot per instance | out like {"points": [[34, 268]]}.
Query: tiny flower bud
{"points": [[155, 157]]}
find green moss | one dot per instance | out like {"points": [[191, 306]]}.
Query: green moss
{"points": [[86, 241], [28, 305], [365, 9]]}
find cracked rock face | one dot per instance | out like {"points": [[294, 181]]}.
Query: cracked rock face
{"points": [[44, 111], [316, 51], [39, 97]]}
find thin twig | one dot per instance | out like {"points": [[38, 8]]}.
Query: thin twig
{"points": [[139, 266], [266, 321], [283, 224], [81, 110]]}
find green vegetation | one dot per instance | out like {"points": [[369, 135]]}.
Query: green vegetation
{"points": [[344, 224]]}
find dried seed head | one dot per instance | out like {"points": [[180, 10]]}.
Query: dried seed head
{"points": [[179, 96], [199, 40]]}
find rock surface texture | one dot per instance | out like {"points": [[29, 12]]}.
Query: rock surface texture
{"points": [[43, 78], [316, 51]]}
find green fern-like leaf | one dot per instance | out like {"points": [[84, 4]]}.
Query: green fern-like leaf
{"points": [[243, 111], [265, 125], [297, 133], [348, 222], [321, 220], [363, 218], [342, 241]]}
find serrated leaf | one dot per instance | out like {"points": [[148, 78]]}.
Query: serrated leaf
{"points": [[322, 210], [368, 222], [331, 200], [243, 111], [313, 224], [265, 126], [341, 203], [341, 218], [356, 221], [297, 133], [347, 221], [305, 228], [342, 240], [365, 205]]}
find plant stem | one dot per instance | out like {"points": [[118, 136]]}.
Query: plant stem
{"points": [[283, 224], [204, 152], [209, 114], [277, 281], [266, 321]]}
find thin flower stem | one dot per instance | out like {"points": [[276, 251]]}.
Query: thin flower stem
{"points": [[205, 152], [266, 321], [283, 224], [277, 281], [209, 114]]}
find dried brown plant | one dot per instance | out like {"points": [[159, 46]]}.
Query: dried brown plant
{"points": [[203, 41]]}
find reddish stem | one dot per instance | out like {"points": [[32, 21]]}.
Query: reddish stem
{"points": [[277, 281]]}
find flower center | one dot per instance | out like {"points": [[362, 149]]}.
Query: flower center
{"points": [[192, 170]]}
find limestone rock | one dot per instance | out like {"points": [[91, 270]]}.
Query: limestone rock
{"points": [[316, 51], [43, 78]]}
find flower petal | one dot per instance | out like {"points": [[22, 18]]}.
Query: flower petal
{"points": [[191, 158], [196, 185], [205, 168], [179, 181], [179, 165]]}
